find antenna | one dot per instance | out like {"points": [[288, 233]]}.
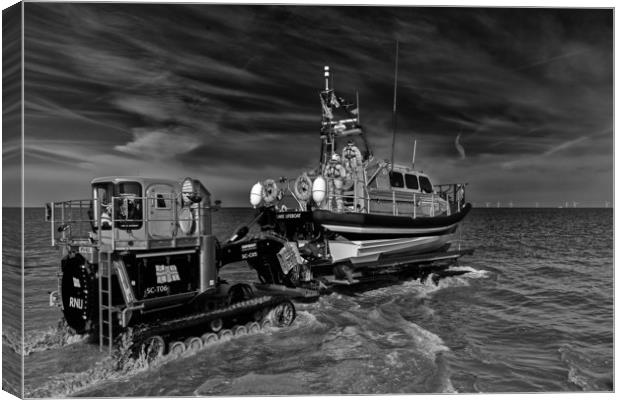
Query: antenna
{"points": [[413, 158], [394, 107], [357, 105]]}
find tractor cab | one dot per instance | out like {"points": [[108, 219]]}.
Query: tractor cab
{"points": [[143, 213]]}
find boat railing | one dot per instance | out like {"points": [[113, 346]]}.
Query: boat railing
{"points": [[453, 193], [446, 199], [77, 222]]}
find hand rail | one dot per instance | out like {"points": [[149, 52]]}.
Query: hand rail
{"points": [[80, 220]]}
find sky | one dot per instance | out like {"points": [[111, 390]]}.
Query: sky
{"points": [[228, 94]]}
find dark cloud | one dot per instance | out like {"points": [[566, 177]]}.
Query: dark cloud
{"points": [[228, 93]]}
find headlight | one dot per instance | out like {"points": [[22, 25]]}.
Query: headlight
{"points": [[187, 191]]}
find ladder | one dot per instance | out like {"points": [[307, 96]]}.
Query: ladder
{"points": [[106, 309]]}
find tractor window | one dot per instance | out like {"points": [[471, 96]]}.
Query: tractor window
{"points": [[161, 201], [102, 193], [128, 205]]}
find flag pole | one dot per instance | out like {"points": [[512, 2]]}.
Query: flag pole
{"points": [[394, 107]]}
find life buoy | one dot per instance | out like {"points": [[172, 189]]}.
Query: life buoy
{"points": [[335, 171], [303, 187], [186, 220], [270, 191], [351, 154]]}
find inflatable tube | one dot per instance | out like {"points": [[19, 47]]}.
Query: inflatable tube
{"points": [[256, 194], [319, 189], [303, 187]]}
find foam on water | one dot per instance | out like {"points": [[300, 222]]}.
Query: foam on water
{"points": [[583, 370], [428, 286], [120, 366], [307, 320], [382, 335], [66, 384], [51, 338]]}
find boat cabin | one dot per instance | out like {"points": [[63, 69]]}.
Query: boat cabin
{"points": [[401, 191], [399, 179]]}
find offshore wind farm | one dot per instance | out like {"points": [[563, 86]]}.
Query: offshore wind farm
{"points": [[543, 204]]}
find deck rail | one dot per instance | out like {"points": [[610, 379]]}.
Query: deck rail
{"points": [[446, 199], [77, 222]]}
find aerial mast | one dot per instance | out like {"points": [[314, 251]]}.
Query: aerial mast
{"points": [[394, 107]]}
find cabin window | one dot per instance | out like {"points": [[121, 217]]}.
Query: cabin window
{"points": [[161, 201], [425, 184], [396, 179], [102, 193], [411, 181], [128, 205]]}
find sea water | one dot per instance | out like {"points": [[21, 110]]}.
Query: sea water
{"points": [[534, 313]]}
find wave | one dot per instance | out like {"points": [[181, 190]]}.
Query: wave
{"points": [[588, 372], [41, 340], [122, 364], [381, 336], [110, 368], [430, 285]]}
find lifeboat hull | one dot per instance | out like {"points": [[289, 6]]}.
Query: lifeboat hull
{"points": [[360, 226], [364, 251], [363, 238]]}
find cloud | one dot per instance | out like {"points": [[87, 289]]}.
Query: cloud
{"points": [[459, 147], [159, 144], [528, 161], [207, 87], [565, 145]]}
